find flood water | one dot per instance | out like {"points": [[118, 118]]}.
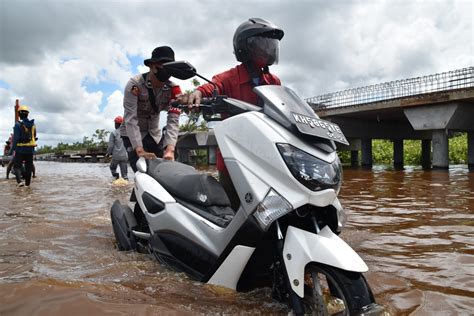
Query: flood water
{"points": [[413, 228]]}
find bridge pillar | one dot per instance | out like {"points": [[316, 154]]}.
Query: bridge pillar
{"points": [[440, 149], [470, 150], [398, 154], [183, 155], [354, 158], [426, 153], [366, 150], [211, 155]]}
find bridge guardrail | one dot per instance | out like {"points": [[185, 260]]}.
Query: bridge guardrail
{"points": [[446, 81]]}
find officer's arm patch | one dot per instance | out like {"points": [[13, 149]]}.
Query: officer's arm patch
{"points": [[135, 91]]}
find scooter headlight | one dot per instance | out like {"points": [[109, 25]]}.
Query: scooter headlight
{"points": [[310, 171], [272, 207]]}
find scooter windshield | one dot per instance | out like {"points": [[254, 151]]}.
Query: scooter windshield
{"points": [[284, 106]]}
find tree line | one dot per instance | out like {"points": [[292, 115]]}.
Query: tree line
{"points": [[98, 140], [382, 151]]}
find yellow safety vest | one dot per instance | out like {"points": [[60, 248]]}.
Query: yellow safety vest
{"points": [[32, 142]]}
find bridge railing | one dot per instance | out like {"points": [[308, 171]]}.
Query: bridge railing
{"points": [[451, 80]]}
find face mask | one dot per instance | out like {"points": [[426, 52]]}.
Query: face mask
{"points": [[261, 62], [161, 74], [23, 115], [264, 50]]}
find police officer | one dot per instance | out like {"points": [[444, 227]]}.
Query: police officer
{"points": [[117, 150], [145, 96], [24, 143]]}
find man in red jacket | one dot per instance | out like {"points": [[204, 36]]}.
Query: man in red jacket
{"points": [[256, 46]]}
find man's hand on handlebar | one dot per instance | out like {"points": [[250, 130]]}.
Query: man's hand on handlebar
{"points": [[193, 98], [142, 153]]}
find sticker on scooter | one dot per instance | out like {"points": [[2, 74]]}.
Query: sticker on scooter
{"points": [[248, 197], [320, 128]]}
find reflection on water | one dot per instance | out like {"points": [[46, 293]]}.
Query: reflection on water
{"points": [[414, 229]]}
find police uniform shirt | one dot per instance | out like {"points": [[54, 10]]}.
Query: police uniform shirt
{"points": [[139, 116]]}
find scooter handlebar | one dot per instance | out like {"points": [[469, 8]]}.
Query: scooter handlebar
{"points": [[205, 102], [208, 107]]}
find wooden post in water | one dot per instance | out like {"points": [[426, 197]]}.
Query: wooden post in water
{"points": [[17, 105]]}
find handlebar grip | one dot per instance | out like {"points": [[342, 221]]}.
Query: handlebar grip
{"points": [[208, 101], [205, 102]]}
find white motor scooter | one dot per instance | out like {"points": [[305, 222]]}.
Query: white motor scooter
{"points": [[283, 164]]}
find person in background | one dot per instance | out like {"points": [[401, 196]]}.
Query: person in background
{"points": [[6, 149], [23, 145], [117, 151], [145, 96], [256, 45]]}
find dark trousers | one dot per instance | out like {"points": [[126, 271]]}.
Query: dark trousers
{"points": [[123, 168], [149, 145], [18, 165]]}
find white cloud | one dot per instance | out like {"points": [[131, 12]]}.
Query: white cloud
{"points": [[61, 49]]}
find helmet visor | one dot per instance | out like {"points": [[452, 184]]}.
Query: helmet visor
{"points": [[263, 51]]}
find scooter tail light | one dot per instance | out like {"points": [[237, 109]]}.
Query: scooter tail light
{"points": [[272, 207]]}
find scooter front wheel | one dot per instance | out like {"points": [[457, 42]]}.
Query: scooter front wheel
{"points": [[332, 291]]}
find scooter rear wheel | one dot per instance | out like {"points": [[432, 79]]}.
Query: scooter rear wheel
{"points": [[331, 291], [123, 221]]}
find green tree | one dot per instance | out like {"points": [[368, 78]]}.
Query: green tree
{"points": [[102, 137], [195, 84], [193, 117], [382, 151], [98, 139]]}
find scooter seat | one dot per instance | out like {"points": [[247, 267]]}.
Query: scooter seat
{"points": [[186, 183]]}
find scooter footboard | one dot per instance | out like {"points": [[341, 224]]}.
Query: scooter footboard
{"points": [[302, 247]]}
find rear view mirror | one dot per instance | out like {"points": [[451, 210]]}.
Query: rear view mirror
{"points": [[141, 165], [180, 69]]}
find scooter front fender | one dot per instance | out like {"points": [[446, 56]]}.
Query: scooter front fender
{"points": [[302, 247]]}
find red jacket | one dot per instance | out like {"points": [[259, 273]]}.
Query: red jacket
{"points": [[236, 83]]}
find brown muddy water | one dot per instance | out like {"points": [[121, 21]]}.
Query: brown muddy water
{"points": [[413, 228]]}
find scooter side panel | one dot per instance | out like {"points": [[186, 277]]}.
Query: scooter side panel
{"points": [[231, 269], [145, 183], [177, 218], [252, 189], [302, 247]]}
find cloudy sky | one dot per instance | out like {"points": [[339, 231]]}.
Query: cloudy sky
{"points": [[69, 60]]}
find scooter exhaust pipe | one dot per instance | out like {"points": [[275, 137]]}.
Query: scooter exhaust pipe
{"points": [[141, 235]]}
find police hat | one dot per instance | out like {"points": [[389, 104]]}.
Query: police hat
{"points": [[160, 54]]}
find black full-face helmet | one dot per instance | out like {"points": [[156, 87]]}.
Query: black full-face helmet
{"points": [[257, 40]]}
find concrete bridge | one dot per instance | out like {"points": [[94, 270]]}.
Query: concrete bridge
{"points": [[429, 108], [189, 142]]}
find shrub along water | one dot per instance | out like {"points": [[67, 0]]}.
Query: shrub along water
{"points": [[382, 151]]}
